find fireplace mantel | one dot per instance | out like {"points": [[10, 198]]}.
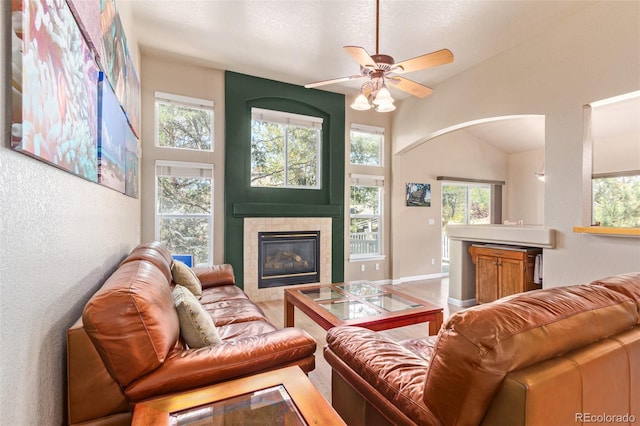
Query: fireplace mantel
{"points": [[286, 210]]}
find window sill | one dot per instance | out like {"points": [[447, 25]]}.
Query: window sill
{"points": [[367, 258], [607, 231]]}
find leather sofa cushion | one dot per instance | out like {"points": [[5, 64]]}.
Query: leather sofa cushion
{"points": [[221, 293], [627, 284], [239, 330], [154, 252], [477, 347], [132, 321], [235, 310], [215, 275]]}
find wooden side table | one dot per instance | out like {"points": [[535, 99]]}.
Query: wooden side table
{"points": [[278, 397]]}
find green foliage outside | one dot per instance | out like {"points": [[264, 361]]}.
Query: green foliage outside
{"points": [[184, 205], [364, 221], [284, 155], [184, 127], [454, 204], [366, 148], [616, 201]]}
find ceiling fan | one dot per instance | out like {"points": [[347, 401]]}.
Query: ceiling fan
{"points": [[382, 69]]}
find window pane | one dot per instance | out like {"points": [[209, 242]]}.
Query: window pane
{"points": [[184, 127], [267, 154], [479, 205], [454, 204], [184, 195], [285, 150], [365, 200], [366, 148], [302, 156], [616, 201], [364, 235], [364, 229], [187, 236]]}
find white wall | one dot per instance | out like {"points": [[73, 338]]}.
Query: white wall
{"points": [[525, 192], [592, 55], [60, 237]]}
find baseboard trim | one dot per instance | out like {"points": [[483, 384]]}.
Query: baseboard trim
{"points": [[461, 303], [419, 278]]}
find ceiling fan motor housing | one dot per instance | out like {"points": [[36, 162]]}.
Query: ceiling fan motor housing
{"points": [[383, 62]]}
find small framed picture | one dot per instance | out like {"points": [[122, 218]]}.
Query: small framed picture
{"points": [[419, 194]]}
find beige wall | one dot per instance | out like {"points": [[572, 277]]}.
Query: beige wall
{"points": [[524, 191], [416, 244], [173, 76], [555, 74], [60, 238]]}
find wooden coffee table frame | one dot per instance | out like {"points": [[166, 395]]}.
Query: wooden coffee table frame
{"points": [[310, 403], [293, 298]]}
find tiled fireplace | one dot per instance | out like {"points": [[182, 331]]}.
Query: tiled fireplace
{"points": [[303, 226]]}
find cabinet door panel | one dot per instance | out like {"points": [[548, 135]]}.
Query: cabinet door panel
{"points": [[486, 279], [511, 277]]}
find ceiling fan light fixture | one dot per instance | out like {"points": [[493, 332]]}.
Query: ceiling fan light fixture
{"points": [[361, 103], [388, 107], [383, 97]]}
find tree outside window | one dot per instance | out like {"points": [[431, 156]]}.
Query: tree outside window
{"points": [[365, 220], [184, 218], [366, 145], [285, 150], [184, 123], [616, 201]]}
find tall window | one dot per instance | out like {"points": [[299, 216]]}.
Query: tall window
{"points": [[285, 149], [184, 208], [183, 122], [366, 145], [365, 225]]}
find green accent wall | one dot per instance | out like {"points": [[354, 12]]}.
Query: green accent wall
{"points": [[242, 92]]}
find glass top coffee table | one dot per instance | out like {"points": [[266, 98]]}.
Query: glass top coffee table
{"points": [[283, 397], [361, 304]]}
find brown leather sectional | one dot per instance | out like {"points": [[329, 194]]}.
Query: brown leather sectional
{"points": [[559, 356], [127, 346]]}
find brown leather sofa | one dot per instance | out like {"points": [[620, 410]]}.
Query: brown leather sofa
{"points": [[560, 356], [127, 345]]}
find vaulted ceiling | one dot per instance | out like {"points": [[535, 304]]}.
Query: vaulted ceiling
{"points": [[301, 41]]}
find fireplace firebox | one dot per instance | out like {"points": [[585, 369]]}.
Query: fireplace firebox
{"points": [[287, 258]]}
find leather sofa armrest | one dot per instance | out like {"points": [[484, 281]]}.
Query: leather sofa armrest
{"points": [[195, 368], [215, 275]]}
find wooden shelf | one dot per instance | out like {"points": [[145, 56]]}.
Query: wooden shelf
{"points": [[605, 230]]}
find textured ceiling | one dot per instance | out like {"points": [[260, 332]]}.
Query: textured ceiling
{"points": [[300, 41]]}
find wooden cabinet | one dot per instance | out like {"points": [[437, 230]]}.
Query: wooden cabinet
{"points": [[503, 270]]}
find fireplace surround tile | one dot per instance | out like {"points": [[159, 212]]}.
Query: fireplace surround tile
{"points": [[252, 226]]}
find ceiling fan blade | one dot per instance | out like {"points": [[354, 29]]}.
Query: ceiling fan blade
{"points": [[409, 86], [361, 56], [335, 80], [439, 57]]}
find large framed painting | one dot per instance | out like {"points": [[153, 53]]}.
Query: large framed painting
{"points": [[112, 139], [419, 194], [54, 88]]}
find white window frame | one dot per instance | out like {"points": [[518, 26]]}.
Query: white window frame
{"points": [[185, 170], [373, 130], [288, 118], [187, 102], [368, 181]]}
